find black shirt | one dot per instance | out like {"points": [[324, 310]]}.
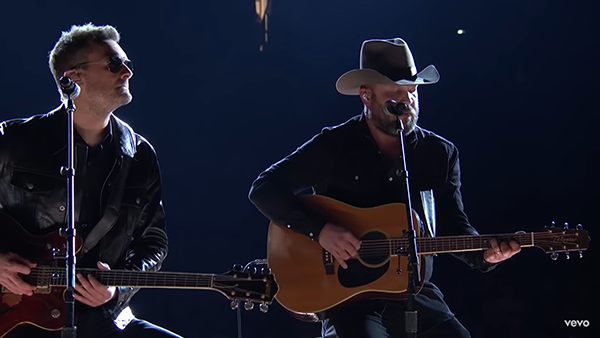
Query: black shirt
{"points": [[345, 163], [93, 167]]}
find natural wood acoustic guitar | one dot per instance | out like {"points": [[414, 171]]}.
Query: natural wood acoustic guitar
{"points": [[310, 281]]}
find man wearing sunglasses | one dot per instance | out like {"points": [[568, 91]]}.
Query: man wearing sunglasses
{"points": [[118, 188]]}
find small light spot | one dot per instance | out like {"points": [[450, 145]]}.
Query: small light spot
{"points": [[460, 32]]}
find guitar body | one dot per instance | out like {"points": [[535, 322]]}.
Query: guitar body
{"points": [[309, 279], [46, 311], [46, 308]]}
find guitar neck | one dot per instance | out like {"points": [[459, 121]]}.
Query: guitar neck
{"points": [[449, 244], [52, 276]]}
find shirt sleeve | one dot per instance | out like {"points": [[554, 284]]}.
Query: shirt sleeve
{"points": [[453, 219], [275, 191]]}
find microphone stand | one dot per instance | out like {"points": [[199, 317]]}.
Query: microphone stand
{"points": [[70, 330], [410, 314]]}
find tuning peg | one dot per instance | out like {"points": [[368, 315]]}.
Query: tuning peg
{"points": [[554, 256], [566, 225], [579, 226], [234, 304], [237, 267], [265, 271], [248, 305], [567, 255], [264, 307], [580, 254], [253, 270]]}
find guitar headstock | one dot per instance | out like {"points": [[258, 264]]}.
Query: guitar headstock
{"points": [[557, 240], [251, 284]]}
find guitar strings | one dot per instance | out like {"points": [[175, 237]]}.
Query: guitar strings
{"points": [[146, 278], [378, 247], [385, 246]]}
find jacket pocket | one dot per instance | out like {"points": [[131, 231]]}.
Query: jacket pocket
{"points": [[35, 182], [38, 197], [134, 201]]}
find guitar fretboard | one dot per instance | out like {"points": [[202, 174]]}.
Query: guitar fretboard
{"points": [[52, 276], [465, 243], [446, 244]]}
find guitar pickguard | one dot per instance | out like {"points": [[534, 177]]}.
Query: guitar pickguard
{"points": [[358, 275]]}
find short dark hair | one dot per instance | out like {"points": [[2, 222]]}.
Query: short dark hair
{"points": [[75, 42]]}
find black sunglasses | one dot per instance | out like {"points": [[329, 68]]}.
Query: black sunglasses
{"points": [[115, 63]]}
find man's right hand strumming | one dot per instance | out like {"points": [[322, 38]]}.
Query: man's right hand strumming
{"points": [[11, 265], [340, 242]]}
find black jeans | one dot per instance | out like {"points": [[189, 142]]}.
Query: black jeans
{"points": [[97, 327], [386, 320]]}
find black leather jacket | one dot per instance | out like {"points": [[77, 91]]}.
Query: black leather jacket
{"points": [[32, 191]]}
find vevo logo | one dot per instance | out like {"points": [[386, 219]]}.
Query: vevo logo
{"points": [[577, 323]]}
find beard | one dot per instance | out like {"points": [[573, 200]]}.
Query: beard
{"points": [[410, 120], [388, 123]]}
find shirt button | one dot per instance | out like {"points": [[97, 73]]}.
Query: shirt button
{"points": [[29, 185], [138, 201], [390, 179], [356, 178]]}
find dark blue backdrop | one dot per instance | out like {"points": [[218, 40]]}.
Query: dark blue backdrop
{"points": [[515, 96]]}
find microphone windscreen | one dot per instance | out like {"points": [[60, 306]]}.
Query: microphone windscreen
{"points": [[68, 87]]}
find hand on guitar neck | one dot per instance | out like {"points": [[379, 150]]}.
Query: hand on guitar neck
{"points": [[502, 251], [340, 242], [11, 265], [91, 292]]}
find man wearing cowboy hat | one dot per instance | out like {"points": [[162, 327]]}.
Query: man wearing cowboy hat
{"points": [[359, 162]]}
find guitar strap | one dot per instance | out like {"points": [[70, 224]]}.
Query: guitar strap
{"points": [[111, 212]]}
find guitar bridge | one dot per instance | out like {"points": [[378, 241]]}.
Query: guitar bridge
{"points": [[328, 262]]}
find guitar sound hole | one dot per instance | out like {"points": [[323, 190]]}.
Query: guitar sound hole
{"points": [[373, 263], [377, 252]]}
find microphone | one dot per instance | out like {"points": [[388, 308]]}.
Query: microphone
{"points": [[396, 108], [68, 87]]}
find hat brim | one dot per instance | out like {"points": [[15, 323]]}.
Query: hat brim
{"points": [[350, 82]]}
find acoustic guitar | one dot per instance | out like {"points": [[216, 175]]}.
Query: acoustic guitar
{"points": [[251, 284], [310, 281]]}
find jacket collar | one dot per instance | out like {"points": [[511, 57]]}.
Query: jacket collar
{"points": [[123, 134]]}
